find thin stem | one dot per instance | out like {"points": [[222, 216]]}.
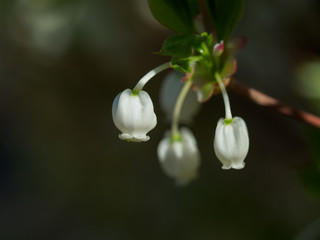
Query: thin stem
{"points": [[177, 108], [225, 96], [150, 75], [266, 101]]}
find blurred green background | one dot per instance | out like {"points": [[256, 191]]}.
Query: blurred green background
{"points": [[64, 174]]}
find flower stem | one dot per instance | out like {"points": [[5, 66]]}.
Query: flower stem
{"points": [[150, 75], [225, 96], [177, 108]]}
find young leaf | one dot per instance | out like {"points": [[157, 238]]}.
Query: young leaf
{"points": [[183, 64], [177, 15], [225, 15], [185, 45], [178, 45]]}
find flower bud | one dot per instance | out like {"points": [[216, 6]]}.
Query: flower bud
{"points": [[231, 142], [179, 156], [133, 115], [218, 49]]}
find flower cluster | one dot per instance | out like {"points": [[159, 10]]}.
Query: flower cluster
{"points": [[179, 157]]}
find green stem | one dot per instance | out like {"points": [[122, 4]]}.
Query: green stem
{"points": [[225, 96], [150, 75], [177, 108]]}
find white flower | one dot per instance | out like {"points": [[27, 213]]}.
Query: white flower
{"points": [[231, 142], [133, 115], [179, 156], [169, 92]]}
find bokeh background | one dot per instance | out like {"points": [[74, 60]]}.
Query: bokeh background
{"points": [[64, 174]]}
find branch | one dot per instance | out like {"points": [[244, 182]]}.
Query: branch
{"points": [[270, 102]]}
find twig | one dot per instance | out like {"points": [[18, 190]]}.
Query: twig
{"points": [[270, 102]]}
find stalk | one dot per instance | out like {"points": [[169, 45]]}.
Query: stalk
{"points": [[177, 108], [143, 81], [225, 97]]}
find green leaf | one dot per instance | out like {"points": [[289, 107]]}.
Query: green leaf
{"points": [[183, 64], [185, 45], [225, 15], [179, 45], [177, 15]]}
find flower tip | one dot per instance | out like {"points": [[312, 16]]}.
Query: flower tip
{"points": [[182, 183], [185, 181], [134, 138], [225, 167], [238, 167], [234, 166]]}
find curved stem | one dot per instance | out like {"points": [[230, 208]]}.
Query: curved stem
{"points": [[150, 75], [225, 96], [265, 100], [177, 108]]}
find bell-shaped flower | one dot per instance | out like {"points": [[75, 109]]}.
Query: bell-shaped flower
{"points": [[179, 156], [133, 115], [231, 142], [169, 92]]}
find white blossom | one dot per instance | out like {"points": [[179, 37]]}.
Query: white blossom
{"points": [[179, 156], [231, 142], [133, 115]]}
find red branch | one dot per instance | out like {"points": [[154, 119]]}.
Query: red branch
{"points": [[270, 102]]}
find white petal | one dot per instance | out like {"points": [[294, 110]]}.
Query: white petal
{"points": [[231, 143], [180, 159], [167, 156], [133, 115]]}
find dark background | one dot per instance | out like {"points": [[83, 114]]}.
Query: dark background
{"points": [[64, 174]]}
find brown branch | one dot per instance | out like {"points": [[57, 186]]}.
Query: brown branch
{"points": [[270, 102]]}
